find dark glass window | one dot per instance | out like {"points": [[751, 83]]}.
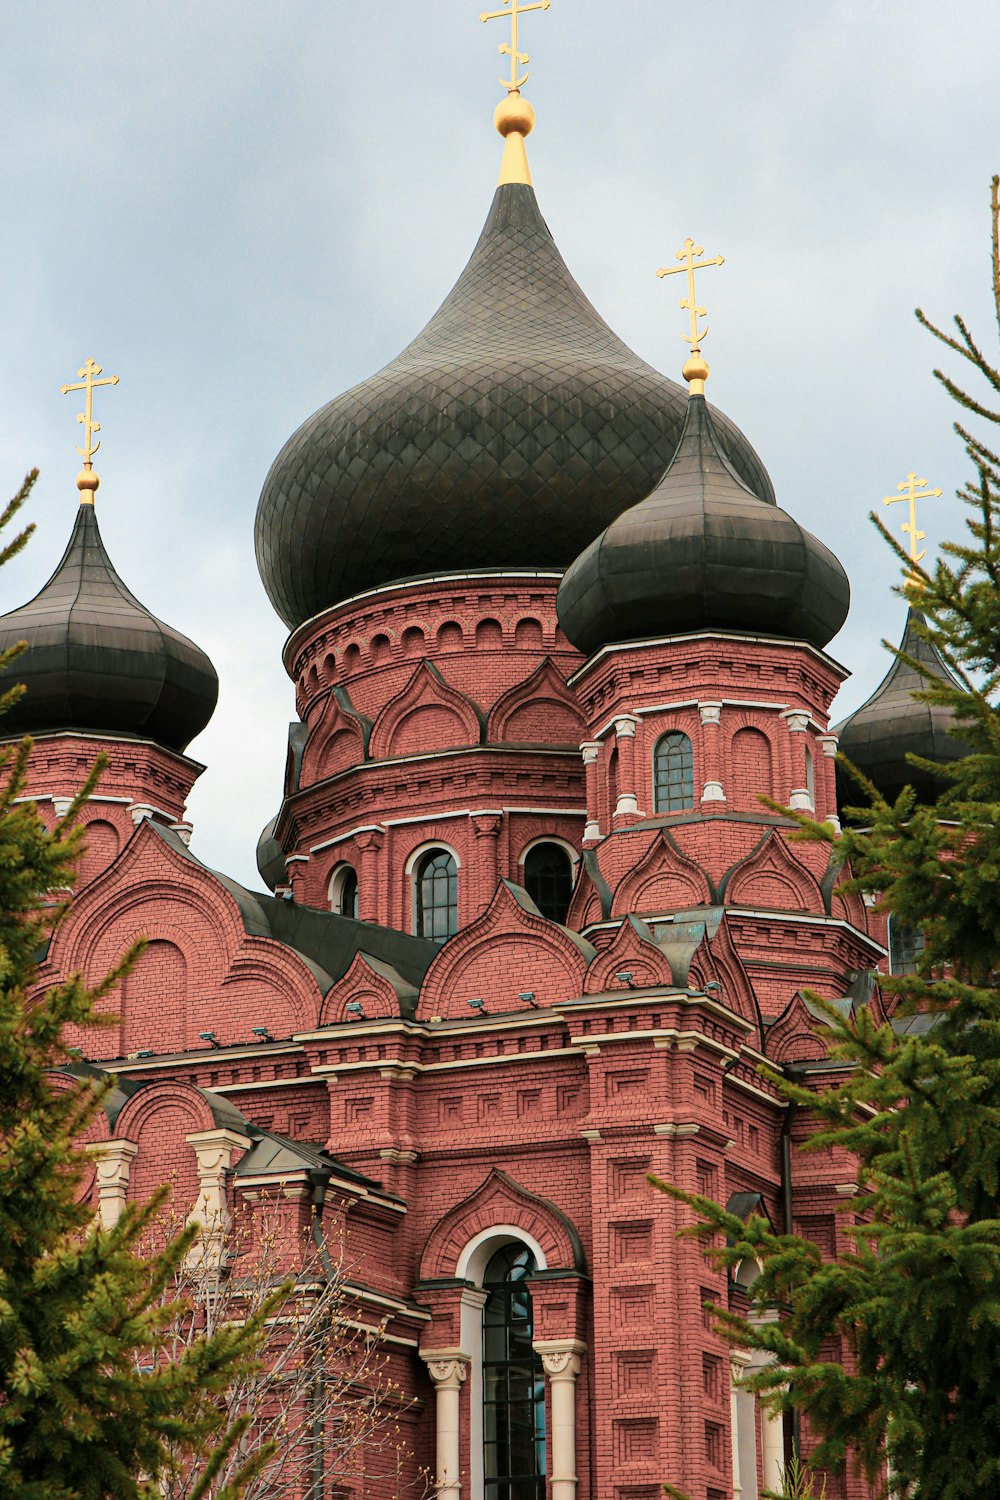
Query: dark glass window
{"points": [[436, 895], [345, 898], [673, 774], [548, 879], [513, 1382], [906, 944]]}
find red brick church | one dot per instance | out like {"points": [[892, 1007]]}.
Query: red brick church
{"points": [[529, 933]]}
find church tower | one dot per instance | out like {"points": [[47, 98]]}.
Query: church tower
{"points": [[102, 674]]}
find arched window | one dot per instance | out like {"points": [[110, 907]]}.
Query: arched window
{"points": [[344, 891], [548, 879], [513, 1382], [906, 944], [673, 773], [435, 895]]}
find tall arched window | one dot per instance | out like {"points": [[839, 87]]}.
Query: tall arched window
{"points": [[513, 1382], [435, 895], [344, 891], [673, 773], [548, 879], [906, 944]]}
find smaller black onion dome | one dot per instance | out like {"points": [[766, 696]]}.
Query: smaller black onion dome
{"points": [[892, 724], [271, 857], [97, 660], [702, 551]]}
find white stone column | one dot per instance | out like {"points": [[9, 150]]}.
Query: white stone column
{"points": [[738, 1362], [562, 1361], [829, 744], [710, 715], [590, 752], [448, 1369], [628, 802], [772, 1442], [113, 1164], [213, 1150], [798, 725]]}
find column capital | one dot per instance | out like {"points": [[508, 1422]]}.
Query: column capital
{"points": [[113, 1152], [590, 750], [797, 721], [562, 1359], [830, 743], [446, 1367], [625, 726], [369, 838], [486, 824], [710, 713]]}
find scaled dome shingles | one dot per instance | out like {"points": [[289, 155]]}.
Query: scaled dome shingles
{"points": [[879, 735], [97, 660], [702, 552], [508, 434]]}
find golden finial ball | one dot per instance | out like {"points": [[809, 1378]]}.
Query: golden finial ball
{"points": [[514, 115], [696, 368], [87, 480]]}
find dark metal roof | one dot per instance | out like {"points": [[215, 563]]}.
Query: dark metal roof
{"points": [[325, 941], [98, 660], [703, 551], [508, 433], [893, 724]]}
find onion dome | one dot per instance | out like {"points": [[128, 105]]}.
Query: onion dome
{"points": [[97, 660], [894, 724], [703, 551], [506, 435]]}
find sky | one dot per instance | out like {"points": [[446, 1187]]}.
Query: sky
{"points": [[243, 209]]}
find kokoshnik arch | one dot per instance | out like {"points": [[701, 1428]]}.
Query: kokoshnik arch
{"points": [[528, 933]]}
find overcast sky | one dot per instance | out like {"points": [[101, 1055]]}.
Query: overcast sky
{"points": [[244, 207]]}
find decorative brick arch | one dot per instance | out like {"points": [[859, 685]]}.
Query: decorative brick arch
{"points": [[772, 877], [633, 951], [429, 714], [510, 950], [540, 710], [336, 741], [500, 1201], [370, 984], [664, 880], [237, 979], [592, 896], [717, 960], [795, 1036]]}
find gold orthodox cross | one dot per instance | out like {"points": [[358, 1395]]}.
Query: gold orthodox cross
{"points": [[690, 264], [513, 10], [88, 383], [912, 489]]}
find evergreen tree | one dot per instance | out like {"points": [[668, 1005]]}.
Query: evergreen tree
{"points": [[917, 1297], [93, 1404]]}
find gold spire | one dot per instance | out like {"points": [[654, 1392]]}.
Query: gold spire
{"points": [[913, 489], [87, 481], [514, 117], [695, 370]]}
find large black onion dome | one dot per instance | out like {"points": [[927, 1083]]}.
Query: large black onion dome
{"points": [[97, 660], [892, 724], [703, 551], [508, 434]]}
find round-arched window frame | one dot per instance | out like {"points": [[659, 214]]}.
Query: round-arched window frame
{"points": [[513, 1381], [547, 876], [435, 895], [673, 773], [344, 891]]}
